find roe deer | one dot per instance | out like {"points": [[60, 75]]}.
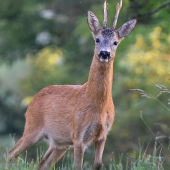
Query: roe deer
{"points": [[77, 115]]}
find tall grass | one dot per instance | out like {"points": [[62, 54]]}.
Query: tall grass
{"points": [[143, 161]]}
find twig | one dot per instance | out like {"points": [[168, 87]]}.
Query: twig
{"points": [[155, 10]]}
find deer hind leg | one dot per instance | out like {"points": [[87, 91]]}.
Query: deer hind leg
{"points": [[51, 157], [29, 139], [17, 145]]}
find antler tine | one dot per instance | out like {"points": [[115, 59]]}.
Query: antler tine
{"points": [[105, 15], [118, 8]]}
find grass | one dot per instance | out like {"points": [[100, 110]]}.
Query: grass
{"points": [[162, 88], [143, 161]]}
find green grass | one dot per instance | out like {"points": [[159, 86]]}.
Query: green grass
{"points": [[140, 162]]}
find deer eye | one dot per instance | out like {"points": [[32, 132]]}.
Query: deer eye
{"points": [[97, 40], [115, 43]]}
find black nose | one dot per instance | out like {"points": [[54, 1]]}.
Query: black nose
{"points": [[104, 54]]}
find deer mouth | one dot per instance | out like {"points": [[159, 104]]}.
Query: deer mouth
{"points": [[104, 60], [104, 56]]}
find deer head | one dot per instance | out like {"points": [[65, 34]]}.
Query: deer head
{"points": [[106, 39]]}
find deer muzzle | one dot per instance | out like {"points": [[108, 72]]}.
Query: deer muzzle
{"points": [[104, 56]]}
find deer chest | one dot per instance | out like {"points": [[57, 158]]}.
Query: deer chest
{"points": [[96, 131]]}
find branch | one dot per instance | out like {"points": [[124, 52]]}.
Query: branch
{"points": [[155, 10]]}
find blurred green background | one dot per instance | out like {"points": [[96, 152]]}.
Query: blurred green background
{"points": [[44, 43]]}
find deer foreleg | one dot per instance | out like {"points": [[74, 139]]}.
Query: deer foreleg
{"points": [[99, 147], [78, 155]]}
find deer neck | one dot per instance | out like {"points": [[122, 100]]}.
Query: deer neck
{"points": [[99, 85]]}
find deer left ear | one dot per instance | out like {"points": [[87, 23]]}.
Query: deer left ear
{"points": [[126, 28]]}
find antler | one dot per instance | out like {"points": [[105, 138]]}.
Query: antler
{"points": [[105, 15], [118, 8]]}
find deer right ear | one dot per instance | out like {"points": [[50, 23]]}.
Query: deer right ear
{"points": [[93, 22]]}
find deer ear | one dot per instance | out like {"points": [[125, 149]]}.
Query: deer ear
{"points": [[93, 22], [126, 28]]}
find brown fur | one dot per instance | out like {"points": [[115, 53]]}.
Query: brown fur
{"points": [[75, 115]]}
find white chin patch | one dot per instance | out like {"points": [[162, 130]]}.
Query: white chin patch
{"points": [[104, 60]]}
